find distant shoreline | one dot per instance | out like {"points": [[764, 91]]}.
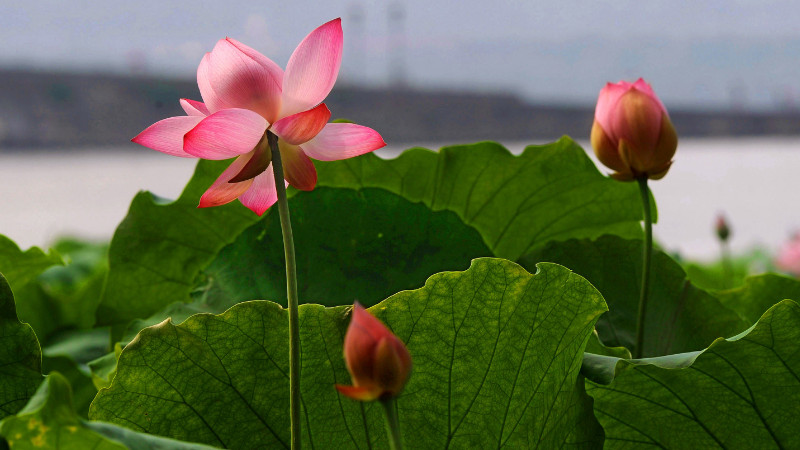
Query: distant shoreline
{"points": [[50, 109], [691, 143]]}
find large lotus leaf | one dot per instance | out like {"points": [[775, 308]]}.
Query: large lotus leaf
{"points": [[384, 244], [21, 270], [55, 291], [159, 248], [550, 192], [758, 294], [351, 245], [20, 356], [729, 272], [680, 317], [80, 346], [719, 274], [742, 392], [516, 203], [49, 421], [496, 358], [104, 367], [72, 292], [74, 289], [595, 346], [83, 388], [69, 353]]}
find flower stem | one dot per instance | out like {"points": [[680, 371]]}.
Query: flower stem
{"points": [[727, 265], [392, 423], [291, 292], [647, 256]]}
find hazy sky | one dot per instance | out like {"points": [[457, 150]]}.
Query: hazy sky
{"points": [[699, 53]]}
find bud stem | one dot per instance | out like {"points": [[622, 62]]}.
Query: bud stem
{"points": [[291, 292], [392, 423], [727, 264], [647, 256]]}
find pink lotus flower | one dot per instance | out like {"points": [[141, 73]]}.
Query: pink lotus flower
{"points": [[632, 133], [247, 97], [377, 360], [788, 259]]}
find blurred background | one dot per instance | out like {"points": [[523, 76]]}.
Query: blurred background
{"points": [[78, 79]]}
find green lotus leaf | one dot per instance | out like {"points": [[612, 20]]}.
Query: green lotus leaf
{"points": [[160, 247], [49, 421], [517, 203], [21, 269], [496, 355], [20, 356], [74, 289], [680, 317], [383, 244], [69, 353], [758, 294], [740, 392], [596, 346]]}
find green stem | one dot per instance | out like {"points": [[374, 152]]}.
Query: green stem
{"points": [[727, 265], [647, 256], [392, 423], [291, 292]]}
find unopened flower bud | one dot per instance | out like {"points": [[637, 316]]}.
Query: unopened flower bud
{"points": [[788, 259], [632, 133], [379, 363], [722, 228]]}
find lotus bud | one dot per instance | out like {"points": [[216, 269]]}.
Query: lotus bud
{"points": [[722, 228], [788, 259], [379, 363], [632, 133]]}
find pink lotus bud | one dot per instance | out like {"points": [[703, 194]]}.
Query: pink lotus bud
{"points": [[632, 133], [788, 259], [377, 360], [722, 228]]}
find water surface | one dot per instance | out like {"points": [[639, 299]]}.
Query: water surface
{"points": [[755, 181]]}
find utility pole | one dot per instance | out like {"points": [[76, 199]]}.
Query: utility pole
{"points": [[396, 44]]}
